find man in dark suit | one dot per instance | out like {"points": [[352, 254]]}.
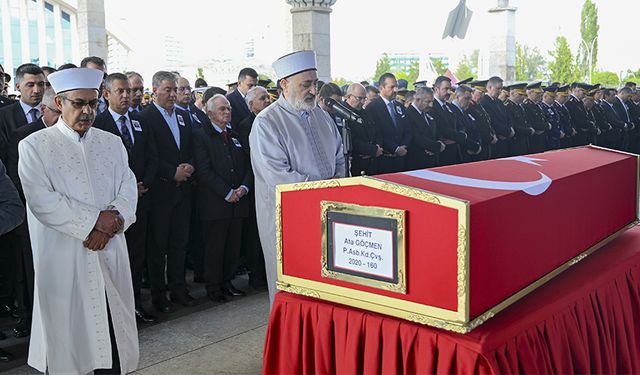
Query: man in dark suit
{"points": [[448, 131], [183, 101], [392, 124], [622, 109], [425, 144], [143, 159], [29, 82], [11, 215], [499, 121], [171, 194], [585, 127], [247, 79], [366, 142], [24, 257], [619, 134], [95, 62], [136, 83], [224, 179], [257, 99], [466, 123]]}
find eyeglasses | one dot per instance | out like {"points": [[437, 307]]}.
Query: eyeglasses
{"points": [[80, 104]]}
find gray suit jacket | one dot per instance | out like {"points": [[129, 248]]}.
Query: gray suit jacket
{"points": [[11, 208]]}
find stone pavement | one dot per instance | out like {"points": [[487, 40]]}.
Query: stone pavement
{"points": [[205, 339]]}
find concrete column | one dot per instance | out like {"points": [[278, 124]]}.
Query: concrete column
{"points": [[498, 57], [311, 31], [92, 35]]}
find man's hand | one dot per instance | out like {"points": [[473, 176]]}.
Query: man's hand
{"points": [[379, 151], [401, 151], [442, 146], [97, 240], [141, 189], [109, 222], [494, 139], [183, 172]]}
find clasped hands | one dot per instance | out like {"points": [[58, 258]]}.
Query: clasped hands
{"points": [[183, 172], [237, 194], [108, 224]]}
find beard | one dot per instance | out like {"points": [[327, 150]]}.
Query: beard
{"points": [[305, 104]]}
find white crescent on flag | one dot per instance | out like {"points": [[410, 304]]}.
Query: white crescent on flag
{"points": [[535, 187]]}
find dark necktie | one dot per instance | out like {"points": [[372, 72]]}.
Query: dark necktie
{"points": [[392, 113], [225, 135], [124, 131], [34, 114]]}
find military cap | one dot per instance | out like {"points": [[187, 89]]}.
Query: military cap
{"points": [[402, 84], [7, 77], [563, 90], [232, 85], [518, 87], [535, 86], [465, 81], [580, 85], [420, 84], [264, 82], [479, 85]]}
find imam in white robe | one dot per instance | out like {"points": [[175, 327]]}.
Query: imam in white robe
{"points": [[67, 181], [287, 147]]}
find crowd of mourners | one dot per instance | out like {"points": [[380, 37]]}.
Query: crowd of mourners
{"points": [[189, 150]]}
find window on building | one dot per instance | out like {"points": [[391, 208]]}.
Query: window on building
{"points": [[16, 39], [34, 42], [50, 32], [66, 37]]}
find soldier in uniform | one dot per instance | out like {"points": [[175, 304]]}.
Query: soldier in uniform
{"points": [[605, 137], [589, 103], [552, 116], [566, 125], [536, 118], [518, 119], [488, 136]]}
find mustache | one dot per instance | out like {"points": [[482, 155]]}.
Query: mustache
{"points": [[86, 117]]}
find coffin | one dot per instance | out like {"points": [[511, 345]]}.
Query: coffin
{"points": [[450, 247]]}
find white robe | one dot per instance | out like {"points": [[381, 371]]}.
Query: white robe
{"points": [[285, 149], [67, 181]]}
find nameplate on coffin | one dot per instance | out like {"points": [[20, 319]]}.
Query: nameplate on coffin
{"points": [[363, 245]]}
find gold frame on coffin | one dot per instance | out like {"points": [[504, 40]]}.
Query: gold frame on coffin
{"points": [[381, 212], [457, 321]]}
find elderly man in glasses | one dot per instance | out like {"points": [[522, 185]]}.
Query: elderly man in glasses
{"points": [[365, 139], [81, 196]]}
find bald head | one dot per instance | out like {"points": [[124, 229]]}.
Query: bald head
{"points": [[356, 95]]}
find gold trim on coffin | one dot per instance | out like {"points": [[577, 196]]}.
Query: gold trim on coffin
{"points": [[387, 213], [457, 321]]}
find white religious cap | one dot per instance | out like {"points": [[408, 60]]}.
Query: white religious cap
{"points": [[75, 78], [294, 63]]}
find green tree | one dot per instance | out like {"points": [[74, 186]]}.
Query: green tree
{"points": [[200, 73], [561, 67], [468, 66], [606, 79], [530, 64], [439, 66], [382, 66], [341, 81], [589, 33], [411, 76]]}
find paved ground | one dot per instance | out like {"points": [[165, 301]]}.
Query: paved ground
{"points": [[205, 339]]}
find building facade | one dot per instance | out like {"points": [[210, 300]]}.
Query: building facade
{"points": [[45, 32]]}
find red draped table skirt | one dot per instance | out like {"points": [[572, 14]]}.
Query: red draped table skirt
{"points": [[586, 320]]}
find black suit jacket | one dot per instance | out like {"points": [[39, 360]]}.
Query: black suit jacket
{"points": [[143, 157], [392, 136], [612, 116], [220, 167], [469, 126], [579, 116], [169, 155], [18, 135], [498, 115], [239, 108], [448, 130], [619, 107], [244, 129], [11, 118], [424, 138], [4, 101]]}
